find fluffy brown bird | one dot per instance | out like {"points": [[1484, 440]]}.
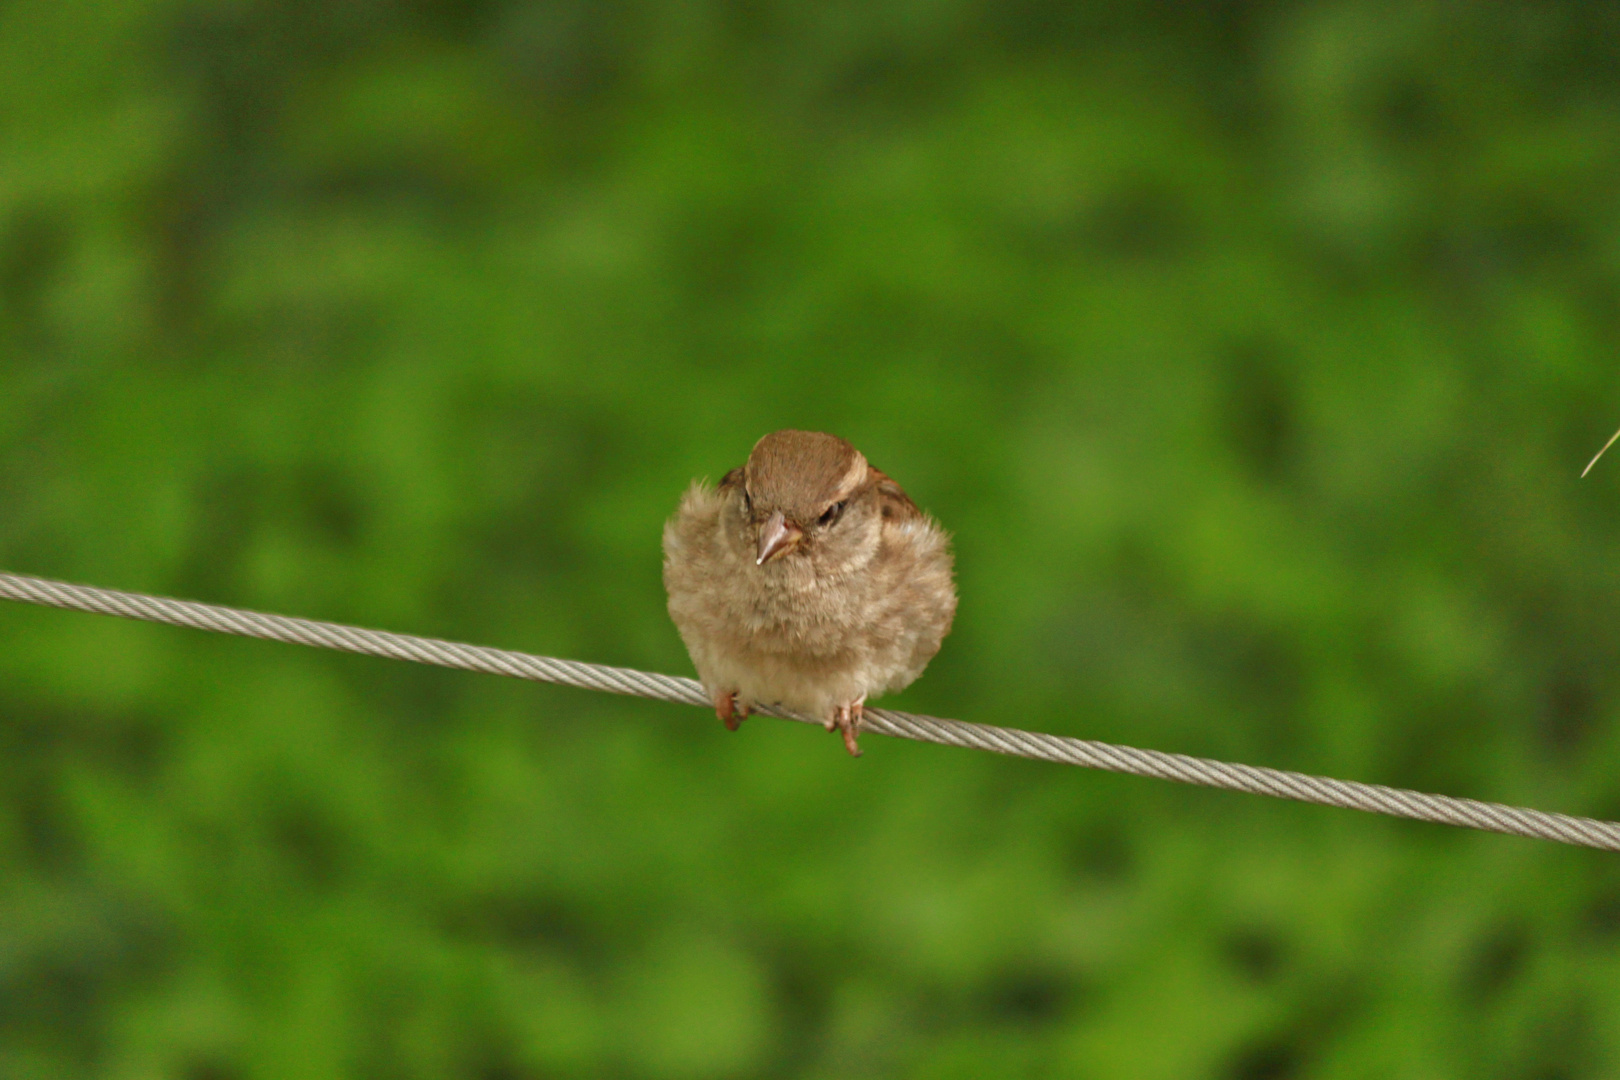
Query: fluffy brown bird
{"points": [[807, 579]]}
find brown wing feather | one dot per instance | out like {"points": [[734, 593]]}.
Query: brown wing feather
{"points": [[892, 499]]}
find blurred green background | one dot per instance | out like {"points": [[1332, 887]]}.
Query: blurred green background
{"points": [[1250, 350]]}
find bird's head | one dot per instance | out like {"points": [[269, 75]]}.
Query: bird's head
{"points": [[802, 496]]}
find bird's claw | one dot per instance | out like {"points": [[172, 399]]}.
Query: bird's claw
{"points": [[730, 711], [847, 719]]}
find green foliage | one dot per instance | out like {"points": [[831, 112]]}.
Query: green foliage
{"points": [[1250, 350]]}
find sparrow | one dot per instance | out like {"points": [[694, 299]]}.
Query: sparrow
{"points": [[806, 579]]}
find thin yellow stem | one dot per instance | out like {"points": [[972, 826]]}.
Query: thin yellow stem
{"points": [[1599, 454]]}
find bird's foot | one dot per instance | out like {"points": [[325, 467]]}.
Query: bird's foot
{"points": [[730, 711], [847, 719]]}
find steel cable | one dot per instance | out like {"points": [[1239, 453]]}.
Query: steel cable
{"points": [[1256, 780]]}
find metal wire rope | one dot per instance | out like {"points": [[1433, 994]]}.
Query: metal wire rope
{"points": [[1375, 798]]}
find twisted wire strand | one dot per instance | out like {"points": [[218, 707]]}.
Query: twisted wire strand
{"points": [[1256, 780]]}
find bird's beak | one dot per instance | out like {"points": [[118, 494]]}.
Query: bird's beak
{"points": [[777, 535]]}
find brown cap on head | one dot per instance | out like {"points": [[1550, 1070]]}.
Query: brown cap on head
{"points": [[801, 472]]}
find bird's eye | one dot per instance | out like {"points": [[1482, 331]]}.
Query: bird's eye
{"points": [[831, 514]]}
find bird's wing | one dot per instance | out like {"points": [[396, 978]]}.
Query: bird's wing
{"points": [[892, 499]]}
